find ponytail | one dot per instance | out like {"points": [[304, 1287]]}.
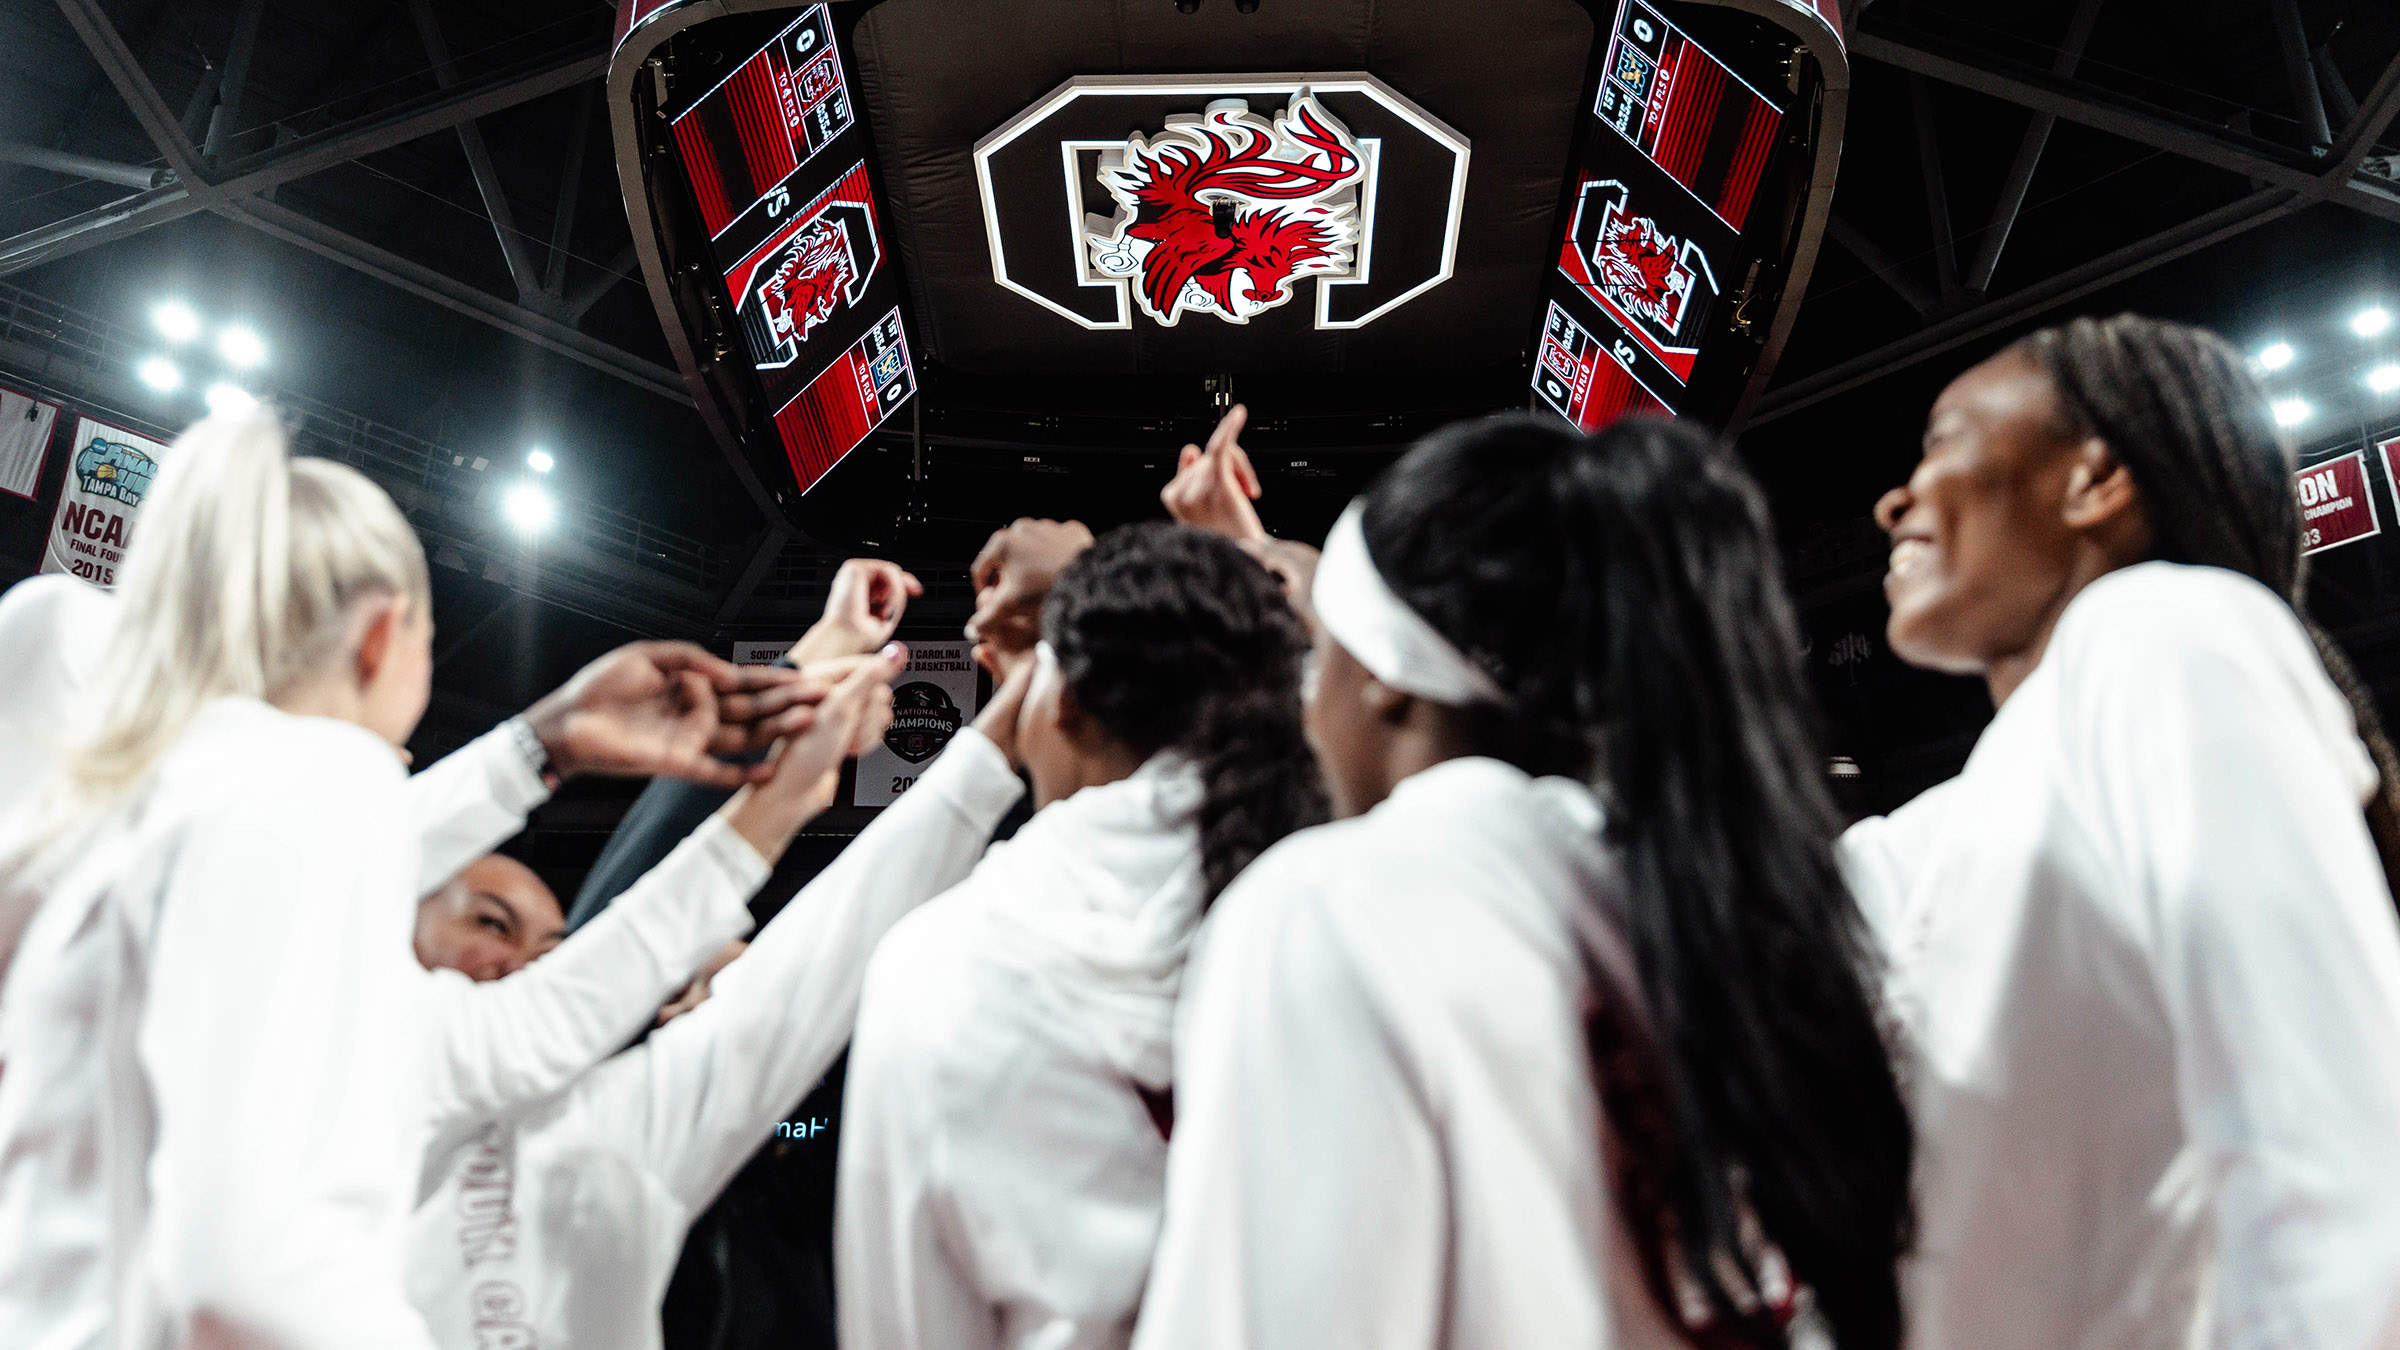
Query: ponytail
{"points": [[1624, 592], [2179, 408], [240, 580], [1175, 639]]}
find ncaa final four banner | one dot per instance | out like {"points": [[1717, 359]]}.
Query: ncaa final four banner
{"points": [[107, 477], [931, 699]]}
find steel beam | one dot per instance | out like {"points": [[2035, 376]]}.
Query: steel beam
{"points": [[570, 186], [479, 160], [2226, 222], [616, 269], [233, 83], [2291, 39], [2193, 140], [2029, 154], [1937, 189], [124, 216], [2373, 119], [422, 281], [158, 121], [85, 166], [1875, 260]]}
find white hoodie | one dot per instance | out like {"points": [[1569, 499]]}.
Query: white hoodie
{"points": [[1000, 1172]]}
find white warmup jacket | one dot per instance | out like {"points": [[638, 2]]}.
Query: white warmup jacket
{"points": [[559, 1224], [482, 1048], [51, 631], [1387, 1130], [1000, 1174], [2151, 974]]}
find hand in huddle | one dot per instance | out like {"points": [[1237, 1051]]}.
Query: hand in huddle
{"points": [[1012, 574], [861, 611], [669, 709], [1213, 488], [804, 770]]}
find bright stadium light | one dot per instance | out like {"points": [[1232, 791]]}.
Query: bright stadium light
{"points": [[538, 460], [2371, 321], [2275, 356], [175, 320], [160, 374], [241, 346], [529, 509], [2291, 412], [225, 396], [2385, 379]]}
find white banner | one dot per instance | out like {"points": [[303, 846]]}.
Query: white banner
{"points": [[25, 426], [759, 653], [932, 698], [106, 480]]}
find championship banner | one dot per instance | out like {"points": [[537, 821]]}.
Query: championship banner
{"points": [[25, 426], [932, 698], [2335, 506], [106, 480]]}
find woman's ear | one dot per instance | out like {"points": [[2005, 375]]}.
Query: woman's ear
{"points": [[2102, 499], [378, 622]]}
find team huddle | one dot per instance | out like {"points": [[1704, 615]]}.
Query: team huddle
{"points": [[1440, 937]]}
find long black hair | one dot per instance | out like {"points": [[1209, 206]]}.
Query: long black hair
{"points": [[2179, 409], [1173, 638], [1624, 592]]}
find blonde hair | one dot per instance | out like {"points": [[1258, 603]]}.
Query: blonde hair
{"points": [[245, 567]]}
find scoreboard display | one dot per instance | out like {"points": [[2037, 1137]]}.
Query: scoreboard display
{"points": [[1658, 232], [778, 172]]}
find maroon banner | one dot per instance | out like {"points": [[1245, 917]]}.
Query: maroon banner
{"points": [[2334, 506]]}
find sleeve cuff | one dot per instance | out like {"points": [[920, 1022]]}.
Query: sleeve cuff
{"points": [[725, 848], [513, 756], [975, 774]]}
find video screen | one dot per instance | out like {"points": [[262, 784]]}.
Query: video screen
{"points": [[779, 172], [1666, 187]]}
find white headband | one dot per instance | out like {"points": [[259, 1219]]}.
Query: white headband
{"points": [[1391, 640]]}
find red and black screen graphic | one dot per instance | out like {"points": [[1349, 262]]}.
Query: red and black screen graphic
{"points": [[849, 399], [1709, 129], [746, 137], [777, 167], [1578, 378]]}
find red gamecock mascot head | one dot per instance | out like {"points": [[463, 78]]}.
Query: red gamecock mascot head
{"points": [[808, 285], [1222, 214]]}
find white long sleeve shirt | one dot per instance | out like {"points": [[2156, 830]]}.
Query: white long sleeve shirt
{"points": [[486, 1048], [1387, 1130], [214, 1099], [1001, 1176], [2150, 970], [559, 1224]]}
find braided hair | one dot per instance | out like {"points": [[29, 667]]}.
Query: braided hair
{"points": [[2179, 409], [1624, 591], [1175, 639]]}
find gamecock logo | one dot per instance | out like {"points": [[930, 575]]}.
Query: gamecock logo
{"points": [[1222, 213], [1637, 265], [808, 285]]}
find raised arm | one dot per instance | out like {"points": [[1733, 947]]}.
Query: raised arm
{"points": [[695, 1099]]}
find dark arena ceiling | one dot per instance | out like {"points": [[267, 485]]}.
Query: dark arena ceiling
{"points": [[423, 206]]}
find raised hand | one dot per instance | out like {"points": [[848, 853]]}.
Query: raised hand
{"points": [[861, 611], [806, 767], [1213, 488], [1014, 572], [651, 709]]}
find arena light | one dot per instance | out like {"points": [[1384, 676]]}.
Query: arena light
{"points": [[529, 509], [539, 460], [2385, 379], [2291, 412], [2371, 321], [227, 397], [160, 374], [241, 346], [175, 321], [2275, 356]]}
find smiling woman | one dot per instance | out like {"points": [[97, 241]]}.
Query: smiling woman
{"points": [[2129, 937], [491, 920]]}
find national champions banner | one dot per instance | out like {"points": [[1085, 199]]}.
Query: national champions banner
{"points": [[932, 697], [107, 477]]}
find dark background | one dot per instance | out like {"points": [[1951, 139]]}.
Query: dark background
{"points": [[2185, 177]]}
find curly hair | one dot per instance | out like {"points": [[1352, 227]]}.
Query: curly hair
{"points": [[1175, 639]]}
